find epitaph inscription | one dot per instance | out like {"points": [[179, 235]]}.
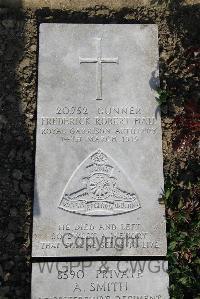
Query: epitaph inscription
{"points": [[100, 280], [98, 174]]}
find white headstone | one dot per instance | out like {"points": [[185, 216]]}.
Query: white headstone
{"points": [[99, 172]]}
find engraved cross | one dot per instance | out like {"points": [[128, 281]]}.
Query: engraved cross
{"points": [[99, 60]]}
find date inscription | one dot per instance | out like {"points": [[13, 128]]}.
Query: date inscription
{"points": [[109, 124]]}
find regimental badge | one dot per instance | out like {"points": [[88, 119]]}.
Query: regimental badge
{"points": [[99, 187]]}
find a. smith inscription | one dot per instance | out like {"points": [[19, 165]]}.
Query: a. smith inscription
{"points": [[100, 280]]}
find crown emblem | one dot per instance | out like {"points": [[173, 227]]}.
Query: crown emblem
{"points": [[99, 164], [100, 194], [99, 158]]}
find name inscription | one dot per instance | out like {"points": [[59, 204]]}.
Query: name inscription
{"points": [[104, 280], [74, 124]]}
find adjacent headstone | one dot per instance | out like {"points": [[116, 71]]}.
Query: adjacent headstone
{"points": [[100, 280], [99, 173]]}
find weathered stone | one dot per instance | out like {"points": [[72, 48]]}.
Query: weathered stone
{"points": [[99, 158]]}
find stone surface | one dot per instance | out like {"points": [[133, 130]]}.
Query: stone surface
{"points": [[98, 172], [102, 279]]}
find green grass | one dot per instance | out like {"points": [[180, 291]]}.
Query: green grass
{"points": [[183, 226]]}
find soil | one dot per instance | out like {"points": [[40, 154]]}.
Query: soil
{"points": [[82, 4], [178, 31]]}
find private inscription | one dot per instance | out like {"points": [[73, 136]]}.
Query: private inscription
{"points": [[100, 193], [100, 280]]}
